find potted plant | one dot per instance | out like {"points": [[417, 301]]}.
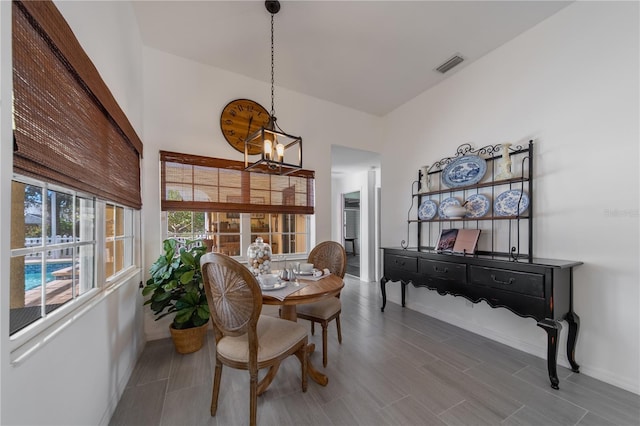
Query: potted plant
{"points": [[176, 287]]}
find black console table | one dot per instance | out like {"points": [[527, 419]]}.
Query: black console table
{"points": [[541, 289]]}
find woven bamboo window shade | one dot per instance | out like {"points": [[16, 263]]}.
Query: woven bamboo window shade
{"points": [[69, 129], [196, 183]]}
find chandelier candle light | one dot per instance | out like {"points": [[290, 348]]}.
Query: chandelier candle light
{"points": [[281, 153]]}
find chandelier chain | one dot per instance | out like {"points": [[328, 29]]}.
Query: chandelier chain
{"points": [[272, 67]]}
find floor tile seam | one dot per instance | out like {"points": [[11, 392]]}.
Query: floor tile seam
{"points": [[417, 401], [514, 413], [472, 396], [575, 403], [138, 385], [583, 416], [546, 391], [390, 403], [449, 409]]}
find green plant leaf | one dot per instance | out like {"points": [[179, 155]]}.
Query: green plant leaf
{"points": [[187, 277], [203, 312], [184, 315], [149, 288]]}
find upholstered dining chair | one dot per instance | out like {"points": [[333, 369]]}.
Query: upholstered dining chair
{"points": [[245, 339], [332, 256]]}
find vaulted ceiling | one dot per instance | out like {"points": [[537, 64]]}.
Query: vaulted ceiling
{"points": [[371, 56]]}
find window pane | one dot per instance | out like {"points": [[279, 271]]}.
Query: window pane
{"points": [[188, 225], [26, 215], [85, 213], [25, 292], [60, 211], [110, 221], [119, 221], [119, 256], [109, 258]]}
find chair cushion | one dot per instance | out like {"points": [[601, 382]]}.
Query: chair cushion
{"points": [[323, 309], [275, 337]]}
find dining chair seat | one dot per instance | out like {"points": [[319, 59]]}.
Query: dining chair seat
{"points": [[324, 309], [276, 337]]}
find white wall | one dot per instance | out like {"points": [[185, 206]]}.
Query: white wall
{"points": [[78, 375], [571, 84], [183, 101]]}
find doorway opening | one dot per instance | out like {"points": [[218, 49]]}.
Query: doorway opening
{"points": [[351, 231]]}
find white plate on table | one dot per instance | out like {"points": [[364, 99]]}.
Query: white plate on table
{"points": [[275, 286], [307, 273]]}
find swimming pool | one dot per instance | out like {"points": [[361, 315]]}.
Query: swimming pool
{"points": [[33, 273]]}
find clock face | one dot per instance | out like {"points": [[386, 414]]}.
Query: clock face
{"points": [[239, 119]]}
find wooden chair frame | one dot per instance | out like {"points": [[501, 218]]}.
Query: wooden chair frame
{"points": [[235, 302], [330, 255]]}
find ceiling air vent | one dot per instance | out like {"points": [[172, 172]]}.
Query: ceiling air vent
{"points": [[450, 64]]}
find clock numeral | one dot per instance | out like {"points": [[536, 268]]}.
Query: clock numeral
{"points": [[240, 108], [228, 122], [231, 132], [232, 112]]}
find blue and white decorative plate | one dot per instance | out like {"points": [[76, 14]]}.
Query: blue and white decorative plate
{"points": [[451, 201], [477, 206], [466, 170], [427, 210], [511, 203]]}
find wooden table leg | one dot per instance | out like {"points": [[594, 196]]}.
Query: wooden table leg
{"points": [[288, 312], [266, 380]]}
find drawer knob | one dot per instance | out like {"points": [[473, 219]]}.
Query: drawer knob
{"points": [[444, 270], [511, 280]]}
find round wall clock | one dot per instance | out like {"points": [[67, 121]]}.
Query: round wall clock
{"points": [[239, 119]]}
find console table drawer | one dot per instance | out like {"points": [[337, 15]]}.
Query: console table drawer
{"points": [[517, 282], [443, 270], [401, 263]]}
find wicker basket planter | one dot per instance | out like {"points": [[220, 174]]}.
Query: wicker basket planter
{"points": [[189, 340]]}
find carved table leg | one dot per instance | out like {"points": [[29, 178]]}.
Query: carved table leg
{"points": [[383, 287], [314, 374], [266, 380], [289, 312], [553, 329], [574, 326], [404, 291]]}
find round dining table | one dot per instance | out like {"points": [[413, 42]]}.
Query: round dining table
{"points": [[312, 291]]}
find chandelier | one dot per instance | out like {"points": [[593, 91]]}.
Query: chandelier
{"points": [[280, 152]]}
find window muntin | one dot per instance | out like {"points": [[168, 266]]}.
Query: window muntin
{"points": [[52, 250]]}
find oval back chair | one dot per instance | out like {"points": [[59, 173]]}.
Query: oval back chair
{"points": [[332, 256], [245, 339]]}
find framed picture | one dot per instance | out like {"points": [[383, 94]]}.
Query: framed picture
{"points": [[447, 239]]}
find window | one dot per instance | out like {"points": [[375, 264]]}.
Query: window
{"points": [[216, 199], [52, 250], [232, 233], [74, 151]]}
